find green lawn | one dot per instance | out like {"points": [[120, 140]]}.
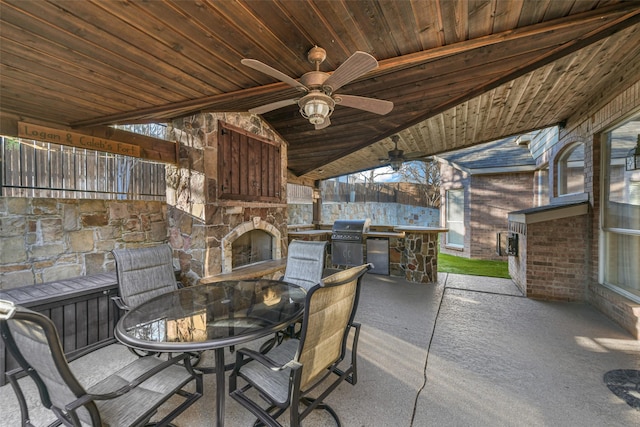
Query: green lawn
{"points": [[474, 267]]}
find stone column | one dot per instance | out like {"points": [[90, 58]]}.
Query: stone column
{"points": [[421, 253]]}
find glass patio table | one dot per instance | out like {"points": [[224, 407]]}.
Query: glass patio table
{"points": [[212, 317]]}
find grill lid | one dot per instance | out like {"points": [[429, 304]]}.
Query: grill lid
{"points": [[350, 229]]}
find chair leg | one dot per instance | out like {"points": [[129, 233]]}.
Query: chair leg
{"points": [[24, 408], [309, 401]]}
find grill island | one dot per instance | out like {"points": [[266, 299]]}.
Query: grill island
{"points": [[347, 238]]}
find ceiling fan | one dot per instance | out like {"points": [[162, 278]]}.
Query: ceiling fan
{"points": [[395, 158], [318, 88]]}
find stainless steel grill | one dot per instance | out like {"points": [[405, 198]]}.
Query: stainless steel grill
{"points": [[347, 238]]}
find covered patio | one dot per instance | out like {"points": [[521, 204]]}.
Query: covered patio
{"points": [[467, 350], [461, 351], [459, 73]]}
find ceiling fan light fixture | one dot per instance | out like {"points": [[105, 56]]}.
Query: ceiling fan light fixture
{"points": [[395, 164], [316, 107]]}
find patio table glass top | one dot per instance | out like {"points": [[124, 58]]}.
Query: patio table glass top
{"points": [[212, 316]]}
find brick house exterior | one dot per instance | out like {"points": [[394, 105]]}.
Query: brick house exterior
{"points": [[497, 178], [561, 254], [560, 237]]}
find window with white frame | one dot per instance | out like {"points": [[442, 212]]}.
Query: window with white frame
{"points": [[542, 186], [620, 233], [455, 218], [571, 170]]}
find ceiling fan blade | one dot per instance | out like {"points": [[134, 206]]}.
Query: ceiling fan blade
{"points": [[273, 106], [378, 106], [416, 155], [356, 65], [270, 71], [326, 123]]}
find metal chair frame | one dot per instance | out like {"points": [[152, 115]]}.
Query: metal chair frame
{"points": [[58, 373], [287, 357]]}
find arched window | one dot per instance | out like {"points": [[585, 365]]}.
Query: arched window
{"points": [[571, 170]]}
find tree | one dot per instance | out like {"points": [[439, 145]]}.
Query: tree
{"points": [[372, 176], [427, 173]]}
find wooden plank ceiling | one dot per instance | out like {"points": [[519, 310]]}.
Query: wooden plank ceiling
{"points": [[458, 72]]}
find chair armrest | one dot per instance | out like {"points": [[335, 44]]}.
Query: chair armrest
{"points": [[83, 400], [120, 304], [263, 360]]}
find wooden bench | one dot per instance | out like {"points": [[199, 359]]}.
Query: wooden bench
{"points": [[80, 307]]}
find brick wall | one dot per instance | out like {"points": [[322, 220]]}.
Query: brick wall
{"points": [[556, 257], [43, 239], [488, 201], [492, 197]]}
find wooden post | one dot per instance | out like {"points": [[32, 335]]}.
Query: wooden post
{"points": [[317, 202]]}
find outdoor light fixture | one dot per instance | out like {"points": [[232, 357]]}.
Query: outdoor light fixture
{"points": [[633, 157], [395, 164], [316, 107]]}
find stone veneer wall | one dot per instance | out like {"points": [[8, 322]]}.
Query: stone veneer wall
{"points": [[43, 239], [186, 237], [379, 213], [396, 258], [199, 219], [420, 256]]}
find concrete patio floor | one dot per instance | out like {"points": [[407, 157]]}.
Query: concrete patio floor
{"points": [[467, 351]]}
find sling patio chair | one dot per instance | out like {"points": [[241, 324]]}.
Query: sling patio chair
{"points": [[144, 273], [287, 375], [305, 265], [129, 397]]}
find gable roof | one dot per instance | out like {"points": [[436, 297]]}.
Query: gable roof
{"points": [[501, 156]]}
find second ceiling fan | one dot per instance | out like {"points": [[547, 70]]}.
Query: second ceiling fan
{"points": [[318, 88], [396, 157]]}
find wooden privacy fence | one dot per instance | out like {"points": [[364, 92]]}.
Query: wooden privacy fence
{"points": [[41, 169], [388, 192]]}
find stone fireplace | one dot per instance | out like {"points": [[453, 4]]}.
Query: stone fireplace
{"points": [[250, 242], [220, 217]]}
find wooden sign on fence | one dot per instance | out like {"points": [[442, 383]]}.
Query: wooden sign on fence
{"points": [[74, 139]]}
